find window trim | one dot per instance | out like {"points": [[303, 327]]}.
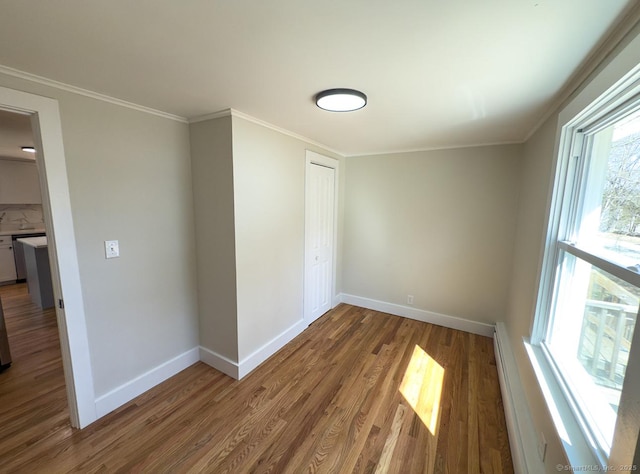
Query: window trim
{"points": [[580, 447], [571, 141]]}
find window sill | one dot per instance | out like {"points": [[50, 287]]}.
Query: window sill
{"points": [[579, 449]]}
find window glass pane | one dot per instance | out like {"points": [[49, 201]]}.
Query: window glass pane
{"points": [[590, 337], [610, 221]]}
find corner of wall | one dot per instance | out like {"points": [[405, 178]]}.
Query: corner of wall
{"points": [[213, 194]]}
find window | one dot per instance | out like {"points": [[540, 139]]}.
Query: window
{"points": [[590, 289]]}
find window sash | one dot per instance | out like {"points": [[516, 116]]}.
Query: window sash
{"points": [[566, 167], [574, 386], [629, 275], [568, 192]]}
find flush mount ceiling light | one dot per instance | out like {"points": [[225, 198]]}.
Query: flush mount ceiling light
{"points": [[29, 149], [341, 100]]}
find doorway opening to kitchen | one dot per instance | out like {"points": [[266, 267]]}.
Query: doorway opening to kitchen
{"points": [[30, 359], [60, 247], [21, 214]]}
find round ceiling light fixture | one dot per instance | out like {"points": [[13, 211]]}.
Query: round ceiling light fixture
{"points": [[29, 149], [341, 100]]}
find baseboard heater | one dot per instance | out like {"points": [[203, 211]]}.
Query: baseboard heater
{"points": [[522, 437]]}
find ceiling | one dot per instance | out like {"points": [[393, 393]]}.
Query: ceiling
{"points": [[437, 73]]}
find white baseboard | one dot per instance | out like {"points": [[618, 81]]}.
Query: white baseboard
{"points": [[336, 300], [522, 434], [246, 365], [119, 396], [274, 345], [219, 362], [452, 322]]}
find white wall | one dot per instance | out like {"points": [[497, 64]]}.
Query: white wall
{"points": [[438, 225], [212, 167], [129, 179], [535, 180], [268, 173], [248, 184]]}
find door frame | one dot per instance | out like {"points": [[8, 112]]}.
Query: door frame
{"points": [[65, 273], [313, 158]]}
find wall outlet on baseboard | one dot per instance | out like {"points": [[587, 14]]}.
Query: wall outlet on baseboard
{"points": [[409, 299], [542, 446]]}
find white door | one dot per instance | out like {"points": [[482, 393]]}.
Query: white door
{"points": [[319, 240]]}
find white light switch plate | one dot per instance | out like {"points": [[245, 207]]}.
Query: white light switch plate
{"points": [[111, 249]]}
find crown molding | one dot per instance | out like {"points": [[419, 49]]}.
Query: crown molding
{"points": [[211, 116], [629, 20], [249, 118], [235, 113], [437, 148], [9, 71]]}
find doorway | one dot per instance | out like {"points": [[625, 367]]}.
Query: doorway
{"points": [[65, 275], [321, 185]]}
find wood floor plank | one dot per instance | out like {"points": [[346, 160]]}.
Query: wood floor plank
{"points": [[329, 401], [392, 439]]}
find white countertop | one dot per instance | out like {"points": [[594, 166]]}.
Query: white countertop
{"points": [[36, 242]]}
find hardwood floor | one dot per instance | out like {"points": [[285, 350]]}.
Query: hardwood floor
{"points": [[329, 401]]}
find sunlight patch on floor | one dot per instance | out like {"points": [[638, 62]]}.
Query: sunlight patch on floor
{"points": [[422, 387]]}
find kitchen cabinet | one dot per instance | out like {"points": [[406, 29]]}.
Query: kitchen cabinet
{"points": [[18, 254], [7, 263], [19, 183], [39, 282]]}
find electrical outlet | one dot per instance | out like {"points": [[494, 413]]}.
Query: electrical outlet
{"points": [[542, 446], [111, 249], [409, 299]]}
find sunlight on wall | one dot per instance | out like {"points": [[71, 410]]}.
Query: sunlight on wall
{"points": [[422, 387]]}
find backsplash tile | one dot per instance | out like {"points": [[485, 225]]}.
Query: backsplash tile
{"points": [[21, 215]]}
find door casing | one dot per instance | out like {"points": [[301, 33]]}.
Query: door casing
{"points": [[65, 273]]}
